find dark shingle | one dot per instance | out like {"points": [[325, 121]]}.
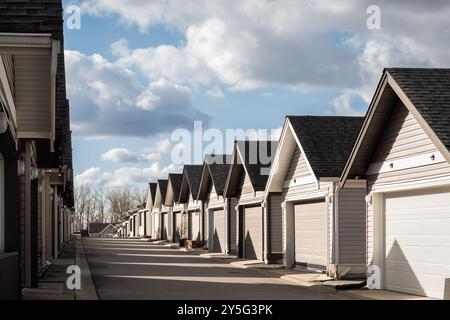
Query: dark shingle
{"points": [[193, 174], [175, 181], [326, 141], [163, 187], [258, 157], [218, 166], [97, 227], [153, 186], [429, 91]]}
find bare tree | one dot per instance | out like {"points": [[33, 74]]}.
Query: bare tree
{"points": [[120, 201], [101, 203], [139, 195], [85, 206]]}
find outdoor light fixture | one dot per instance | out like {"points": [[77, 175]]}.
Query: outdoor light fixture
{"points": [[3, 122], [20, 167]]}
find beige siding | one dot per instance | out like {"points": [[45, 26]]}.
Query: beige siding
{"points": [[32, 94], [8, 62], [233, 225], [298, 167], [405, 138], [276, 227], [247, 186], [352, 226]]}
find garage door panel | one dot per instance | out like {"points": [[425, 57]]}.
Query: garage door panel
{"points": [[253, 233], [311, 234], [417, 241]]}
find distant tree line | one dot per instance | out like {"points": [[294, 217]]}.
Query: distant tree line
{"points": [[98, 204]]}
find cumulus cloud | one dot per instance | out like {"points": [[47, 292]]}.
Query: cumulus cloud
{"points": [[119, 155], [124, 176], [111, 100], [302, 45], [215, 92]]}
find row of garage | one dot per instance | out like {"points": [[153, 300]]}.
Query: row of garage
{"points": [[339, 195]]}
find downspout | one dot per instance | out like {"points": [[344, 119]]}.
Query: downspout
{"points": [[336, 227], [268, 208]]}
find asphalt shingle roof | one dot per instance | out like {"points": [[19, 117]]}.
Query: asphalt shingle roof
{"points": [[97, 227], [163, 187], [194, 175], [258, 158], [429, 91], [218, 165], [153, 186], [326, 141], [176, 179]]}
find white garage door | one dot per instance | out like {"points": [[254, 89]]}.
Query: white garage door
{"points": [[417, 252], [311, 235], [253, 233], [217, 231], [194, 225]]}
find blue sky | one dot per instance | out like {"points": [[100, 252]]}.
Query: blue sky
{"points": [[137, 70]]}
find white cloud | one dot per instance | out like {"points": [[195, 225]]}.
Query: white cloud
{"points": [[125, 176], [252, 43], [343, 105], [111, 100], [163, 145], [215, 92], [119, 155]]}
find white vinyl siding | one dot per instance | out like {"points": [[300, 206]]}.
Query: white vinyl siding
{"points": [[233, 226], [165, 224]]}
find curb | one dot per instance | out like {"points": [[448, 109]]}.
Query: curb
{"points": [[88, 290]]}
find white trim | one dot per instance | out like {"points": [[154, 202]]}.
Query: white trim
{"points": [[406, 163], [413, 184], [26, 40], [2, 205], [300, 181], [318, 194], [356, 184], [10, 103]]}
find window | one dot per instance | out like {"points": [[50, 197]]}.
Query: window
{"points": [[2, 205]]}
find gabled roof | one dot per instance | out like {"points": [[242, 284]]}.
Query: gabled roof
{"points": [[424, 92], [152, 186], [162, 189], [215, 170], [326, 141], [173, 188], [98, 227], [191, 182], [254, 158], [429, 92]]}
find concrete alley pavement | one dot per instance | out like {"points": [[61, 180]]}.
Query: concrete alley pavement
{"points": [[134, 269]]}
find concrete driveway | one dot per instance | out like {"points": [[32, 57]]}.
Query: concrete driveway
{"points": [[135, 269]]}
